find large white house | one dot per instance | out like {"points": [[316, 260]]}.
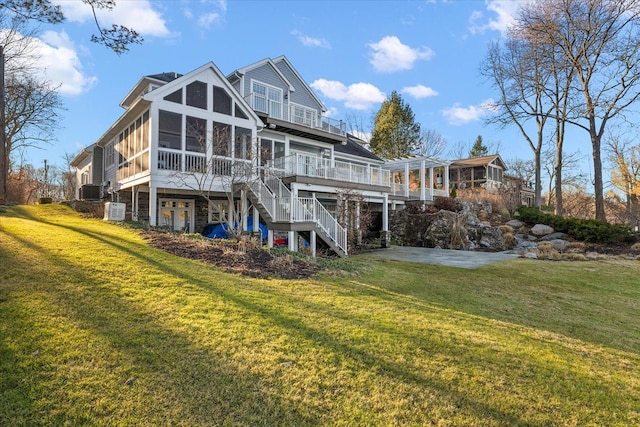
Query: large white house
{"points": [[202, 148]]}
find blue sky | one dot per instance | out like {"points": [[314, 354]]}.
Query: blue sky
{"points": [[353, 53]]}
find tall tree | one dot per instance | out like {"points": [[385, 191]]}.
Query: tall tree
{"points": [[396, 133], [598, 40], [625, 174], [478, 149]]}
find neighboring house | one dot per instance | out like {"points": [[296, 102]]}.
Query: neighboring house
{"points": [[486, 172], [523, 191], [182, 136]]}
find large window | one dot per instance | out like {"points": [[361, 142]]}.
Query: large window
{"points": [[267, 99], [243, 143], [170, 130], [221, 139], [221, 101], [109, 155], [196, 134], [197, 95]]}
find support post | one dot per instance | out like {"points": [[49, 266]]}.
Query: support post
{"points": [[384, 234], [153, 206], [312, 243]]}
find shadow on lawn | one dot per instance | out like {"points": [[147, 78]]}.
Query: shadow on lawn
{"points": [[182, 352]]}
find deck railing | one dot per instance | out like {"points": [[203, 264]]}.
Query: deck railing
{"points": [[311, 166]]}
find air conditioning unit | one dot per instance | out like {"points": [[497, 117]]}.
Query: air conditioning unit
{"points": [[90, 192], [114, 211]]}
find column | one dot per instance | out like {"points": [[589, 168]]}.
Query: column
{"points": [[431, 183], [153, 206], [422, 182], [385, 221], [406, 179], [312, 243]]}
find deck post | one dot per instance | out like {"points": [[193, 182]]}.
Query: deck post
{"points": [[153, 206]]}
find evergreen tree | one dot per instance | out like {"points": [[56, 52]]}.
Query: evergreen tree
{"points": [[478, 149], [395, 133]]}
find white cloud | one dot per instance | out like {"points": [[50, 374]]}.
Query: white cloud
{"points": [[206, 20], [389, 55], [59, 64], [419, 91], [458, 115], [502, 16], [311, 41], [138, 15], [358, 96]]}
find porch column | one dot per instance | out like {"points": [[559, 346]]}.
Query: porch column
{"points": [[431, 182], [292, 235], [312, 243], [446, 177], [406, 179], [384, 241], [422, 182], [270, 238], [135, 200], [153, 206], [358, 231], [244, 209], [256, 220]]}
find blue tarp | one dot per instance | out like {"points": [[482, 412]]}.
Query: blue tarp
{"points": [[219, 231]]}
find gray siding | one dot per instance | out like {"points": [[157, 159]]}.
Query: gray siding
{"points": [[301, 96], [97, 165], [265, 74]]}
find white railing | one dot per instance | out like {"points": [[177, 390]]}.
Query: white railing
{"points": [[296, 113], [312, 166], [168, 160], [413, 194], [281, 206]]}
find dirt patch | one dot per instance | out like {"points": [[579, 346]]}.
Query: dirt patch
{"points": [[232, 257]]}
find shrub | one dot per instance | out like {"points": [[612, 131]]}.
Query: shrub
{"points": [[445, 204], [588, 230], [45, 200]]}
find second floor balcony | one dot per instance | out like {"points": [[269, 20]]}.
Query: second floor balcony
{"points": [[314, 167], [289, 112]]}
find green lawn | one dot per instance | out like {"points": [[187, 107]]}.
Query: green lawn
{"points": [[97, 328]]}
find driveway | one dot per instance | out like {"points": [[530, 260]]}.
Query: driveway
{"points": [[448, 257]]}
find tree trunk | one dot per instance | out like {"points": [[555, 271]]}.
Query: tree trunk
{"points": [[558, 169], [597, 176], [538, 166]]}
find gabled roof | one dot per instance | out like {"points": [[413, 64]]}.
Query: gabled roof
{"points": [[286, 61], [142, 84], [266, 61], [165, 77], [171, 86], [355, 147], [83, 154], [480, 161]]}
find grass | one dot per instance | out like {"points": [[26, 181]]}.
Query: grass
{"points": [[96, 328]]}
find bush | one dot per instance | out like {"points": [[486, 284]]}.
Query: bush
{"points": [[588, 230], [45, 200], [445, 204]]}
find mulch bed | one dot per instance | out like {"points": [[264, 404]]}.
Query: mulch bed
{"points": [[232, 257]]}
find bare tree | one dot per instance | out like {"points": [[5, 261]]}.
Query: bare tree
{"points": [[223, 167], [354, 215], [573, 179], [625, 174], [431, 144], [598, 40]]}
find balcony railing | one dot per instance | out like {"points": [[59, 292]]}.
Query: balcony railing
{"points": [[297, 114], [398, 189], [311, 166]]}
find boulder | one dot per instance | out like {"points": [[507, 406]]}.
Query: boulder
{"points": [[541, 230], [559, 245], [515, 224], [553, 236], [491, 238]]}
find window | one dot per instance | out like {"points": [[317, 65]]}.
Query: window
{"points": [[266, 151], [109, 154], [220, 139], [239, 113], [267, 99], [197, 95], [303, 115], [243, 143], [196, 133], [175, 97], [170, 130], [221, 101]]}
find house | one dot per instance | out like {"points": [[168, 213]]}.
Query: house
{"points": [[485, 171], [202, 148]]}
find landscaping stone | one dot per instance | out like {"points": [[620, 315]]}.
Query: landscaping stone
{"points": [[530, 255], [559, 244], [553, 236], [515, 223], [541, 230]]}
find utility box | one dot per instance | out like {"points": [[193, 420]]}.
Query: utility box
{"points": [[114, 211], [90, 192]]}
